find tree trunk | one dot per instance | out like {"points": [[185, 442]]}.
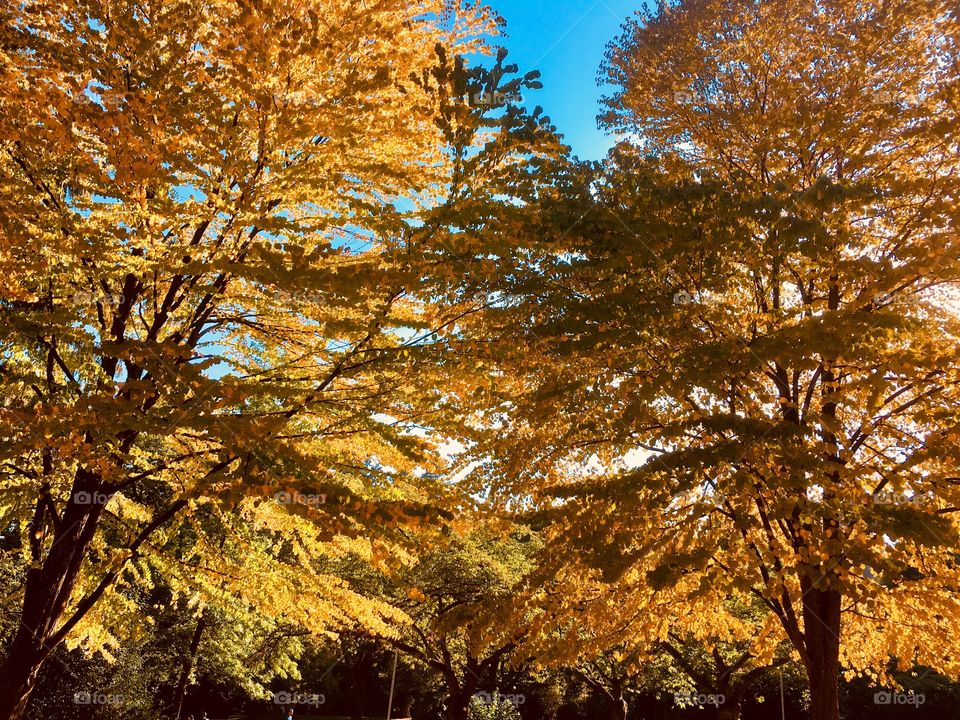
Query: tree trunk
{"points": [[18, 675], [181, 691], [821, 624], [460, 690], [356, 691], [356, 707], [821, 602], [458, 707], [49, 585], [618, 708]]}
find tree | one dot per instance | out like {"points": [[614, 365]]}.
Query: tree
{"points": [[205, 264], [496, 709], [722, 674], [610, 678], [742, 367], [626, 635], [456, 596]]}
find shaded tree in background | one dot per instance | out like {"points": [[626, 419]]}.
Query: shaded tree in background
{"points": [[457, 594]]}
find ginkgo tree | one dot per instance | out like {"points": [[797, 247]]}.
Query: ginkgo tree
{"points": [[216, 224], [634, 634], [730, 366]]}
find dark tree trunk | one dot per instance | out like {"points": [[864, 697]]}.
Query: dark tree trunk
{"points": [[49, 585], [459, 693], [18, 675], [460, 689], [618, 708], [356, 707], [821, 602], [356, 671], [458, 707], [821, 623], [181, 690]]}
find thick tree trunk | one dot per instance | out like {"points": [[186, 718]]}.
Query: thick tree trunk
{"points": [[47, 592], [18, 675], [460, 689], [821, 622], [458, 707]]}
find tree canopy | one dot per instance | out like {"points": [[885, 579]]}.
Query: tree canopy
{"points": [[315, 340]]}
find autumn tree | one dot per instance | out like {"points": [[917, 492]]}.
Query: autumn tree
{"points": [[215, 225], [740, 370], [634, 634]]}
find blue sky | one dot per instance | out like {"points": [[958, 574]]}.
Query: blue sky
{"points": [[565, 41]]}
